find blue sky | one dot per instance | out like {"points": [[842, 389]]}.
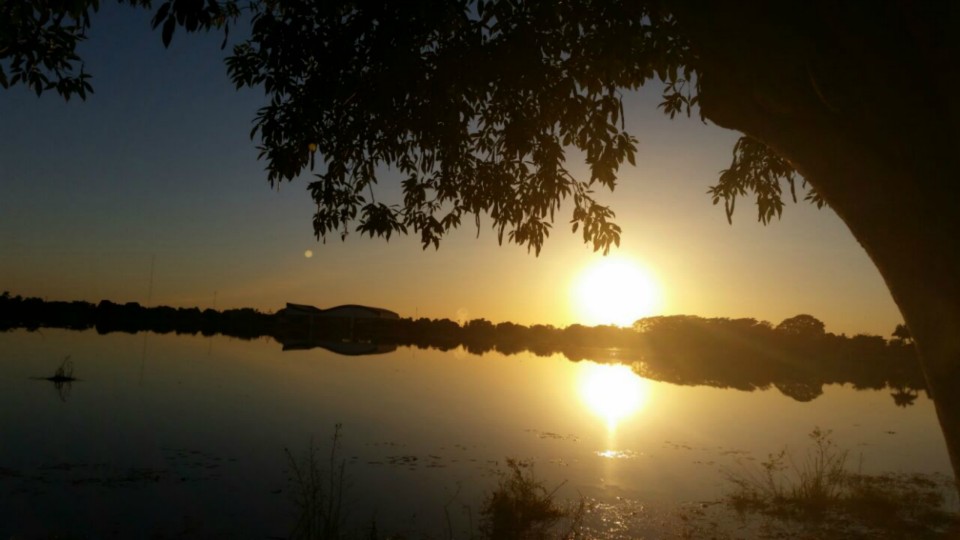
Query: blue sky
{"points": [[156, 170]]}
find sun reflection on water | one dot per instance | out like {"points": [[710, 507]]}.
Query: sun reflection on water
{"points": [[616, 454], [613, 392]]}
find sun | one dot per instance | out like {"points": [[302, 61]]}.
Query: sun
{"points": [[616, 291]]}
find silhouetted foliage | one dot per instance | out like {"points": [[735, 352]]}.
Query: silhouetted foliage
{"points": [[131, 317], [318, 490], [902, 333], [744, 354], [371, 86], [368, 85], [904, 397], [820, 490], [803, 326], [63, 378], [521, 508]]}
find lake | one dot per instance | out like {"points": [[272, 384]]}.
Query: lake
{"points": [[180, 436]]}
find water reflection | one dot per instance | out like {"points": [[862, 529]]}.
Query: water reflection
{"points": [[613, 392], [203, 435]]}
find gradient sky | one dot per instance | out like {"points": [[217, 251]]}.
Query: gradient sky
{"points": [[155, 173]]}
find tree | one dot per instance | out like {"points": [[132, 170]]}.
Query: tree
{"points": [[802, 325], [901, 334], [478, 102]]}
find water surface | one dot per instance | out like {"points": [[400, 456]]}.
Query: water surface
{"points": [[169, 435]]}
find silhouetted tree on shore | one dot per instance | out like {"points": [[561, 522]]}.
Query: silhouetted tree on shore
{"points": [[803, 325], [902, 333]]}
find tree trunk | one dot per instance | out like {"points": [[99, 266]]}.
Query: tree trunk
{"points": [[861, 100]]}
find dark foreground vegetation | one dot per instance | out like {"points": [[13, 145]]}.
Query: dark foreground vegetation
{"points": [[819, 494], [797, 356], [812, 494], [520, 507]]}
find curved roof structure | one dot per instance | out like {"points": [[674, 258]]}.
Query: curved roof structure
{"points": [[351, 311]]}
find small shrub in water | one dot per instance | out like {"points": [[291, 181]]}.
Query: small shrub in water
{"points": [[521, 508], [65, 371], [820, 492], [782, 485], [318, 492], [822, 474]]}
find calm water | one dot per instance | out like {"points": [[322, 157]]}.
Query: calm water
{"points": [[180, 436]]}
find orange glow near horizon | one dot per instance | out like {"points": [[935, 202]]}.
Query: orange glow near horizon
{"points": [[616, 291]]}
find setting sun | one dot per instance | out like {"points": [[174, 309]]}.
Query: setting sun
{"points": [[616, 291]]}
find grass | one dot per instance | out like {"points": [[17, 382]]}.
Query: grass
{"points": [[820, 491], [62, 378], [785, 484], [519, 508], [64, 373], [811, 495], [911, 504], [318, 491]]}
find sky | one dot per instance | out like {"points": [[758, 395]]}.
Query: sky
{"points": [[150, 191]]}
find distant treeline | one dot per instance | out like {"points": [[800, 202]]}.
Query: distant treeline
{"points": [[105, 317], [796, 356]]}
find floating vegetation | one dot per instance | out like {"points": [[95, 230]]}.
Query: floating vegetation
{"points": [[519, 508], [822, 496], [554, 436]]}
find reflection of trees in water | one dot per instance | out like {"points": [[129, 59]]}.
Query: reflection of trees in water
{"points": [[904, 397], [747, 354], [797, 356], [800, 391]]}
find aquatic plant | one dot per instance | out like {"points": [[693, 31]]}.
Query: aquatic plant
{"points": [[820, 493], [781, 482], [62, 378], [64, 373], [822, 474], [905, 505], [521, 508], [318, 491]]}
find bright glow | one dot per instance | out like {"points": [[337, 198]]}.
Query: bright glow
{"points": [[616, 454], [616, 291], [613, 392], [308, 253]]}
